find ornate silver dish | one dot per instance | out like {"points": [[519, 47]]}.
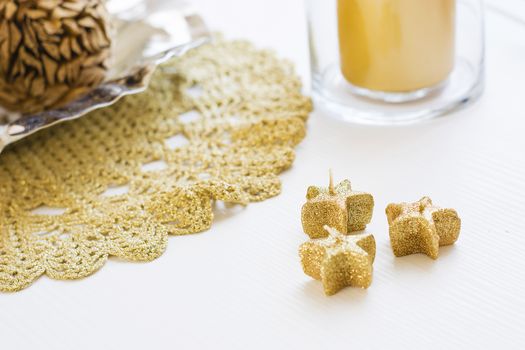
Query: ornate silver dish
{"points": [[147, 33]]}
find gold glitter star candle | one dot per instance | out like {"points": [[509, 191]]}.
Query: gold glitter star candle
{"points": [[421, 227], [339, 260], [336, 206]]}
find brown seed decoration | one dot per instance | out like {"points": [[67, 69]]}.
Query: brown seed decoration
{"points": [[336, 206], [51, 51], [421, 227], [339, 260]]}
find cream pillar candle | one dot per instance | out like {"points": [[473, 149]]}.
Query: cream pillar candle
{"points": [[396, 45]]}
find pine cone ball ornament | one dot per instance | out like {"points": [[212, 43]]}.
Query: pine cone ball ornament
{"points": [[51, 51]]}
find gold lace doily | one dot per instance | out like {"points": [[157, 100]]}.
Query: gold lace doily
{"points": [[218, 124]]}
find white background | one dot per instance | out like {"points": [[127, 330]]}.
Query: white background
{"points": [[240, 285]]}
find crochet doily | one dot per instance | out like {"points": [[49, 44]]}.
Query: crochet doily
{"points": [[218, 124]]}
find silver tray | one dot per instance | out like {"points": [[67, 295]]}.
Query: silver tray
{"points": [[147, 33]]}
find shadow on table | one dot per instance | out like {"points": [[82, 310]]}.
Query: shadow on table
{"points": [[314, 290], [420, 261], [223, 210]]}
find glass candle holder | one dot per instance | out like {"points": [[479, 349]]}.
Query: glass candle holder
{"points": [[395, 61]]}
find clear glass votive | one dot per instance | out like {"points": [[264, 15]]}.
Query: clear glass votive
{"points": [[395, 61]]}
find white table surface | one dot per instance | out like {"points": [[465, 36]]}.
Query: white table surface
{"points": [[240, 285]]}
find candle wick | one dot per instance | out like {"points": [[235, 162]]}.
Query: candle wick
{"points": [[331, 185]]}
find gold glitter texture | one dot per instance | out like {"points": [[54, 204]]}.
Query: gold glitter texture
{"points": [[421, 227], [240, 113], [339, 260], [336, 206]]}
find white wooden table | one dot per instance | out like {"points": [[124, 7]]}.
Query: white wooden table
{"points": [[240, 285]]}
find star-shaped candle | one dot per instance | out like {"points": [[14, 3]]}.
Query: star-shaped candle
{"points": [[421, 227], [336, 206], [339, 260]]}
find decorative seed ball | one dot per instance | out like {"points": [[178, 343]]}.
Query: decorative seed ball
{"points": [[51, 51]]}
